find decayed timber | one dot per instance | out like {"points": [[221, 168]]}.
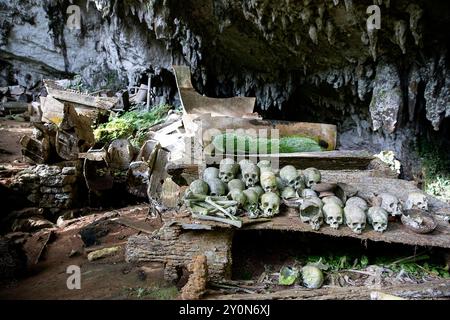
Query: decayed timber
{"points": [[176, 249], [327, 160], [396, 232], [39, 150], [74, 135], [65, 95], [428, 290], [349, 162], [195, 103], [211, 126], [158, 174]]}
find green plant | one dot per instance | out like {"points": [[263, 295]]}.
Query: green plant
{"points": [[132, 125], [164, 293]]}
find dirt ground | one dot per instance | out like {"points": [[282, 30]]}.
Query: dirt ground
{"points": [[107, 278], [10, 134]]}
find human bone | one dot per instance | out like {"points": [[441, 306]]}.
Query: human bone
{"points": [[311, 177], [217, 187], [199, 187], [391, 204], [378, 218], [269, 182], [258, 189], [333, 199], [416, 200], [270, 204], [359, 202], [355, 218], [236, 184], [250, 174], [252, 206], [288, 193], [292, 178], [252, 196], [265, 166], [227, 170], [308, 193], [210, 173], [239, 197], [312, 277], [311, 212], [244, 162], [334, 214]]}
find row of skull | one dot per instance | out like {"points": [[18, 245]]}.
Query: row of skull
{"points": [[257, 189], [263, 173], [356, 212]]}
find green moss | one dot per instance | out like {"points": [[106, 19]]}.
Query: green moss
{"points": [[164, 293], [248, 144], [132, 125]]}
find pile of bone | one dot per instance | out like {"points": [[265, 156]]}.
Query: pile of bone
{"points": [[258, 190], [235, 189]]}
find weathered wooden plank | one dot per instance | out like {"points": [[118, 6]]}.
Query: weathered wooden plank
{"points": [[211, 126], [327, 160], [439, 289], [158, 174], [75, 134], [65, 95], [170, 194]]}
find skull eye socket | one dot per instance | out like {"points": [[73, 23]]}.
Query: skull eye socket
{"points": [[246, 176], [382, 225], [265, 204], [354, 224], [363, 225], [391, 206]]}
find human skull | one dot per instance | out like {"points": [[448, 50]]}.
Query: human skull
{"points": [[391, 204], [292, 178], [355, 218], [227, 170], [244, 162], [288, 193], [416, 200], [269, 182], [217, 187], [333, 199], [239, 197], [210, 173], [258, 189], [265, 166], [311, 212], [312, 176], [250, 174], [378, 218], [308, 193], [236, 184], [270, 204], [199, 187], [358, 202], [334, 215], [252, 206]]}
